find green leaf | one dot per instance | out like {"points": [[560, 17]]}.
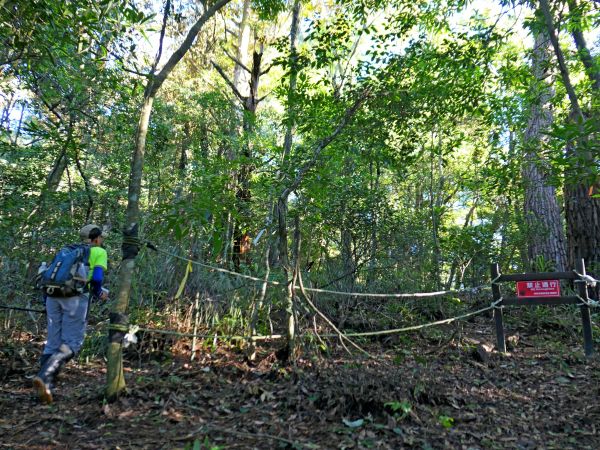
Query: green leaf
{"points": [[446, 421]]}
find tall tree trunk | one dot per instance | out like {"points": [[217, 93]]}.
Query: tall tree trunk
{"points": [[541, 209], [434, 208], [281, 206], [371, 276], [289, 131], [582, 211], [243, 193], [240, 76], [115, 382], [242, 176], [282, 200], [186, 142], [347, 254]]}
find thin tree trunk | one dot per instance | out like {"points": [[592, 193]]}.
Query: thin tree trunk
{"points": [[289, 129], [457, 260], [348, 262], [258, 305], [281, 206], [183, 159], [434, 203], [291, 291], [55, 175], [57, 171], [282, 200], [239, 79], [115, 380], [562, 65], [249, 105], [371, 276], [291, 107], [240, 87], [19, 125], [592, 69]]}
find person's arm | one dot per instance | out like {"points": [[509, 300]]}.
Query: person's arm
{"points": [[96, 281], [98, 265]]}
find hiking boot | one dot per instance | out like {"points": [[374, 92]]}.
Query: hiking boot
{"points": [[43, 389], [43, 382], [44, 358]]}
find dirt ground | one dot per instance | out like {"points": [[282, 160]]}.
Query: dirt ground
{"points": [[419, 391]]}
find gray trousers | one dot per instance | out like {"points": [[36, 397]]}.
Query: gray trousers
{"points": [[67, 321]]}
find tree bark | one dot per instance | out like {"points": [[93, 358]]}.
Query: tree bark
{"points": [[583, 219], [57, 171], [582, 211], [541, 209]]}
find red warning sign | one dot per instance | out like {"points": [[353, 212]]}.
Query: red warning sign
{"points": [[546, 288]]}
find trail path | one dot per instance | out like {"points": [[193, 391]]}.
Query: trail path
{"points": [[446, 394]]}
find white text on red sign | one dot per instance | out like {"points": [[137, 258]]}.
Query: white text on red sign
{"points": [[545, 288]]}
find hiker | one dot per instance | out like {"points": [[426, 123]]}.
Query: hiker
{"points": [[67, 307]]}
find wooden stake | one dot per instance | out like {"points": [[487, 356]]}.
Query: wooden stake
{"points": [[498, 315], [586, 320]]}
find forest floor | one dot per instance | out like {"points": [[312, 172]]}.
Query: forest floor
{"points": [[418, 391]]}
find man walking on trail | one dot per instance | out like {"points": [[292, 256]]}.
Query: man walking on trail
{"points": [[67, 316]]}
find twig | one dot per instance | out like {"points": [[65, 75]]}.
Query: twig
{"points": [[229, 82], [443, 344], [86, 183], [162, 36], [235, 60], [340, 334], [317, 332]]}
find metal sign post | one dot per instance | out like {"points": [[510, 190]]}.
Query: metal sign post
{"points": [[542, 289]]}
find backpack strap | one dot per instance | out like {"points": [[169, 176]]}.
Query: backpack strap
{"points": [[87, 249]]}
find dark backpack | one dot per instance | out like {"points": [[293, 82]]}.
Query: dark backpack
{"points": [[66, 276]]}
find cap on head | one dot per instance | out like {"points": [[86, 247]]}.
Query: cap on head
{"points": [[90, 232]]}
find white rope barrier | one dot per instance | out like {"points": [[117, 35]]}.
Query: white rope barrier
{"points": [[584, 302], [419, 327], [327, 291], [587, 279], [135, 328]]}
